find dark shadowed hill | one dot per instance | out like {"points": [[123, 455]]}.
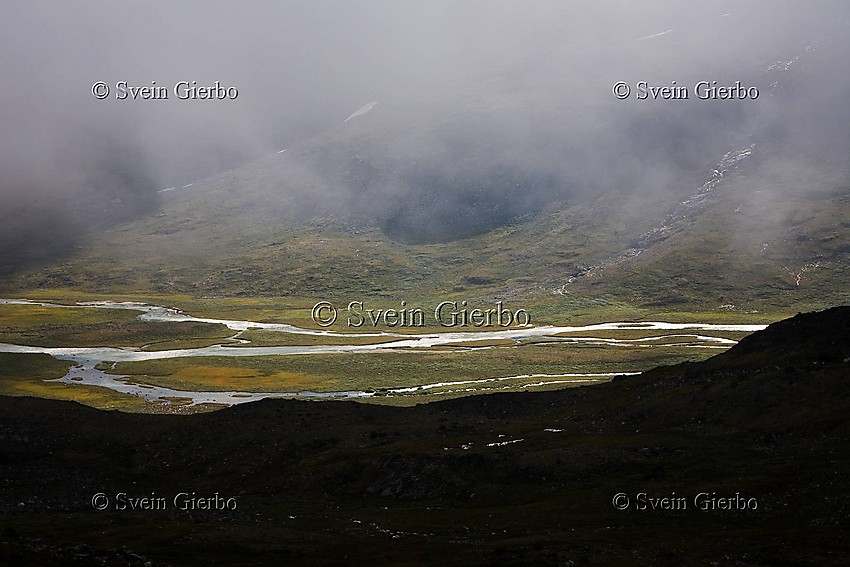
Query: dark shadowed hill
{"points": [[749, 449]]}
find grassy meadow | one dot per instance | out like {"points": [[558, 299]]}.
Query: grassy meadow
{"points": [[488, 361]]}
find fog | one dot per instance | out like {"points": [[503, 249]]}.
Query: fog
{"points": [[486, 111]]}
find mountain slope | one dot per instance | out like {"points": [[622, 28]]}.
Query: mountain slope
{"points": [[509, 190], [769, 235]]}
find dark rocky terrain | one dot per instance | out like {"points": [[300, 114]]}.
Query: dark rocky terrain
{"points": [[351, 483]]}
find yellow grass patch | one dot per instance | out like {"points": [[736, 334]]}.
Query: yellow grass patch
{"points": [[23, 316], [229, 377]]}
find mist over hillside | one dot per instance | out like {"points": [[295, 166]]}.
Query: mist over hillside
{"points": [[486, 112]]}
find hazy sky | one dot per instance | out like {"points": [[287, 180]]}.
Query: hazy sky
{"points": [[525, 82]]}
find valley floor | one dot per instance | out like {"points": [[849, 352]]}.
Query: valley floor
{"points": [[137, 356]]}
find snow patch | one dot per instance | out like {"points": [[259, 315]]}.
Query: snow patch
{"points": [[362, 110], [654, 35], [503, 443]]}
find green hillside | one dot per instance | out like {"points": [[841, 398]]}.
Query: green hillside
{"points": [[519, 190], [743, 244]]}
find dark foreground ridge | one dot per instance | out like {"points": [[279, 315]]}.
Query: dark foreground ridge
{"points": [[507, 479]]}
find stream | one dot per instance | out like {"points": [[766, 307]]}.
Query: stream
{"points": [[86, 359]]}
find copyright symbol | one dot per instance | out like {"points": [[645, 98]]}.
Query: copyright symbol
{"points": [[100, 90], [100, 501], [323, 314], [620, 501], [621, 90]]}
